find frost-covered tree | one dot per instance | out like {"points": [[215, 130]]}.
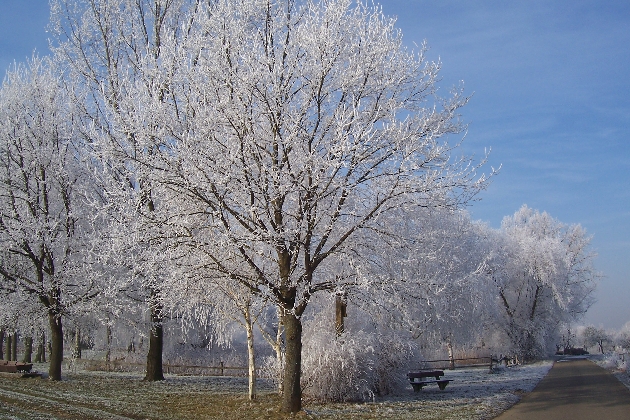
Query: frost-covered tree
{"points": [[438, 256], [21, 314], [622, 338], [543, 274], [47, 231], [593, 336], [104, 43], [292, 128], [458, 247]]}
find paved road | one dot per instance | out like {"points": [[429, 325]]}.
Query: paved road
{"points": [[574, 390]]}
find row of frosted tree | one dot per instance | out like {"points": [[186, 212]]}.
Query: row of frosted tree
{"points": [[217, 161]]}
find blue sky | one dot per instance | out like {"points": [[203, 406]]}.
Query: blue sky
{"points": [[551, 97]]}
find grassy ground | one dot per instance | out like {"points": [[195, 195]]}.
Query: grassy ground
{"points": [[91, 395]]}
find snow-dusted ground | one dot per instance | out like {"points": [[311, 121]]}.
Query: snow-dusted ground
{"points": [[472, 394]]}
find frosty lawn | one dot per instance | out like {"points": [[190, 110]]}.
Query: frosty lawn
{"points": [[473, 394]]}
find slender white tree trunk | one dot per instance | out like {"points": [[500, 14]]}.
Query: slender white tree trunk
{"points": [[279, 351], [451, 356], [250, 351]]}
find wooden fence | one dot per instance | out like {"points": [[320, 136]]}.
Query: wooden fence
{"points": [[176, 369]]}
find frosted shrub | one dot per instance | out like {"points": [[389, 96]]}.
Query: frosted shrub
{"points": [[614, 361], [356, 366], [339, 369], [271, 368], [396, 358]]}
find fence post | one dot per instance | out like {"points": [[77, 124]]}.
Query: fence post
{"points": [[221, 365]]}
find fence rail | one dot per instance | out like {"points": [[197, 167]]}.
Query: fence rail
{"points": [[177, 369]]}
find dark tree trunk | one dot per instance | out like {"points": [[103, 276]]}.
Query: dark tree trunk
{"points": [[77, 343], [14, 347], [340, 313], [28, 350], [41, 350], [108, 354], [156, 342], [292, 396], [9, 347], [1, 343], [43, 344], [56, 347]]}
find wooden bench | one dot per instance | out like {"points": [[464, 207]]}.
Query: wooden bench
{"points": [[15, 367], [418, 379]]}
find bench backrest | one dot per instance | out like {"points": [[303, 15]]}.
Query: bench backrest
{"points": [[425, 374], [13, 366]]}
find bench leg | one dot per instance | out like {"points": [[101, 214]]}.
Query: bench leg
{"points": [[416, 387], [442, 384]]}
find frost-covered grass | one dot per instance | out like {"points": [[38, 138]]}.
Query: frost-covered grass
{"points": [[617, 364], [472, 394]]}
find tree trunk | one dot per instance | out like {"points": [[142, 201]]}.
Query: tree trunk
{"points": [[250, 353], [1, 343], [9, 347], [41, 350], [451, 357], [14, 347], [28, 350], [108, 353], [279, 349], [292, 397], [156, 342], [277, 344], [40, 356], [77, 343], [340, 313], [56, 353]]}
